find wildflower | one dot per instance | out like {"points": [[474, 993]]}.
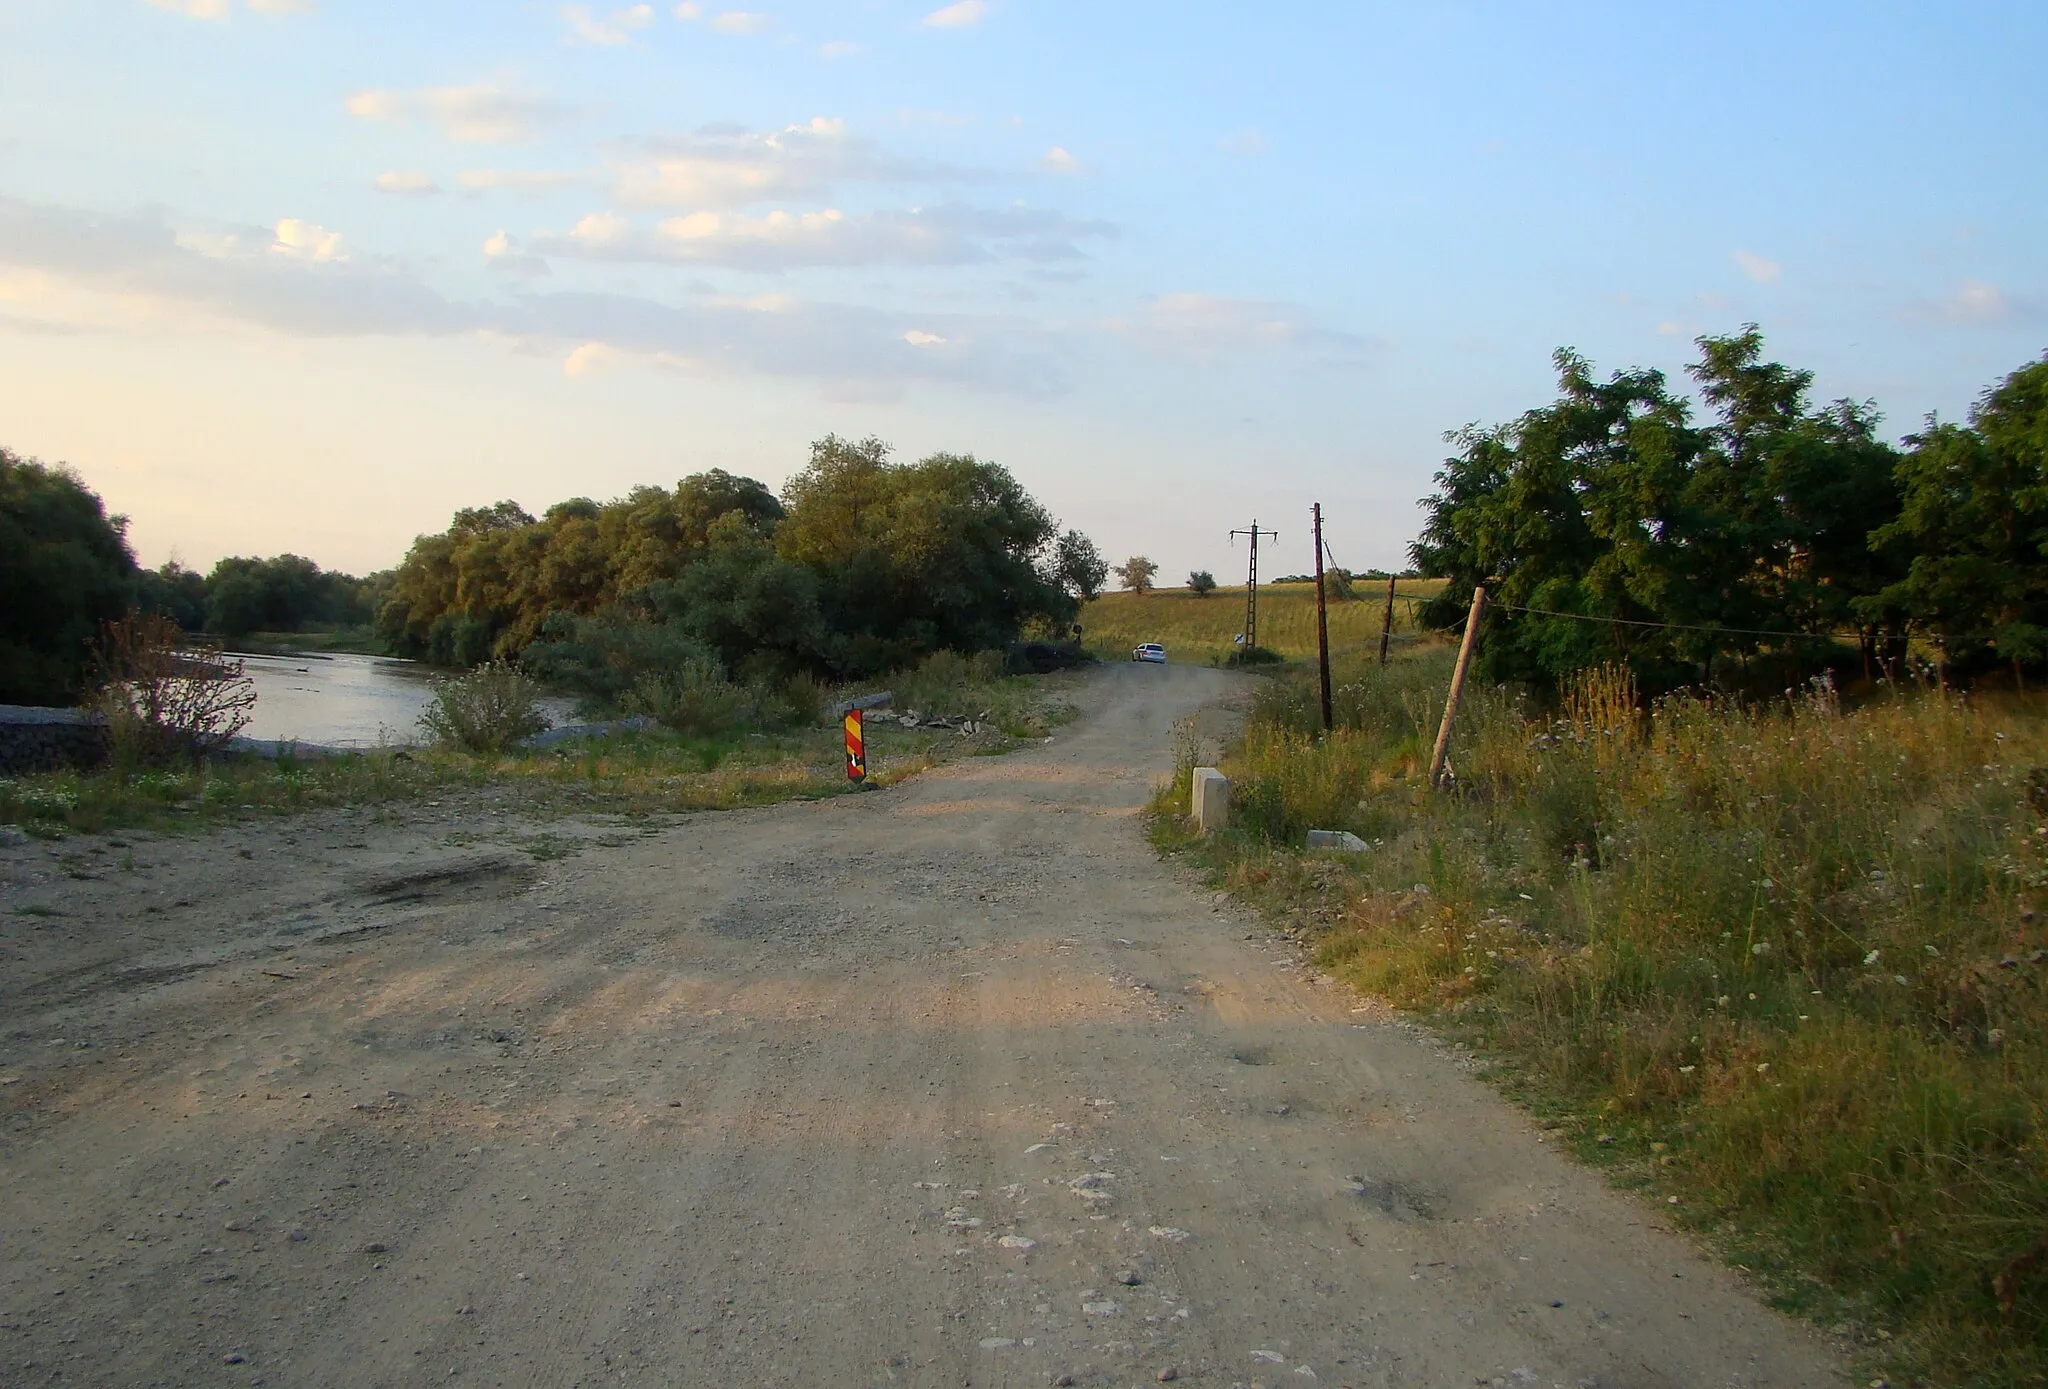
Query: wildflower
{"points": [[1899, 979], [1687, 1070], [1762, 947], [1871, 958]]}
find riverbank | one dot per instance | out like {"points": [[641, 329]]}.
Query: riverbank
{"points": [[643, 772]]}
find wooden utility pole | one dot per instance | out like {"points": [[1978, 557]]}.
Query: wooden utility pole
{"points": [[1387, 625], [1251, 585], [1322, 616], [1443, 735]]}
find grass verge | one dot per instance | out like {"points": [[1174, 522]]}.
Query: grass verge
{"points": [[1782, 969]]}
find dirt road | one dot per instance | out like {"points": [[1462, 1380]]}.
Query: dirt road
{"points": [[950, 1084]]}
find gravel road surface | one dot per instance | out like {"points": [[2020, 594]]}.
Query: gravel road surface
{"points": [[948, 1084]]}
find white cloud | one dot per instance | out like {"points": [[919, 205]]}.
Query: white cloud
{"points": [[194, 9], [1756, 267], [406, 181], [1202, 325], [1980, 302], [480, 113], [517, 180], [502, 252], [140, 263], [959, 15], [1058, 161], [917, 337], [615, 28], [689, 10], [742, 22], [778, 241], [306, 240], [283, 6], [725, 167]]}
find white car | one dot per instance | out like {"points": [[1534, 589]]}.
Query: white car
{"points": [[1151, 651]]}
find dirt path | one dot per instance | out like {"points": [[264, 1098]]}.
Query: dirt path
{"points": [[948, 1084]]}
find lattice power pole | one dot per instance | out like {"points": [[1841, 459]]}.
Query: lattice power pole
{"points": [[1251, 584]]}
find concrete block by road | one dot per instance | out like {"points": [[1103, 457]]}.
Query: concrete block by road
{"points": [[1211, 807], [1343, 841]]}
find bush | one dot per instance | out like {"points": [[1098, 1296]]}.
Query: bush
{"points": [[1254, 656], [695, 698], [1202, 582], [602, 658], [163, 703], [487, 710]]}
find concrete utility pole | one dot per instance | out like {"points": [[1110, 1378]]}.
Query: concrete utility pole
{"points": [[1251, 585], [1322, 616]]}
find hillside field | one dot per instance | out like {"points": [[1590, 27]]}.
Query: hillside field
{"points": [[1201, 629]]}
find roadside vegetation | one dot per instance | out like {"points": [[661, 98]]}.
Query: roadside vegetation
{"points": [[1739, 877], [1783, 966]]}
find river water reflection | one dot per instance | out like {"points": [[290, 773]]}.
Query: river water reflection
{"points": [[343, 700]]}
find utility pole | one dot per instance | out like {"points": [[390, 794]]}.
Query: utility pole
{"points": [[1443, 735], [1387, 626], [1251, 585], [1322, 616]]}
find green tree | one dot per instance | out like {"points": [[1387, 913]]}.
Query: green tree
{"points": [[65, 568], [1136, 574], [1618, 529], [1974, 527], [1082, 569], [1202, 582]]}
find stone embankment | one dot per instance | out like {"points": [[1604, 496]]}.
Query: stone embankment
{"points": [[47, 740]]}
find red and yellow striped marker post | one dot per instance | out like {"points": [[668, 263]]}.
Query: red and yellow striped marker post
{"points": [[856, 748]]}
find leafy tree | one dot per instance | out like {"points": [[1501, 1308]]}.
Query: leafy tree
{"points": [[1081, 568], [65, 568], [175, 591], [949, 553], [1202, 582], [1684, 543], [1974, 526], [1136, 574], [286, 593]]}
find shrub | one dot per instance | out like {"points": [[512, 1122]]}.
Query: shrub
{"points": [[603, 657], [164, 702], [1202, 582], [695, 698], [487, 710], [1254, 656]]}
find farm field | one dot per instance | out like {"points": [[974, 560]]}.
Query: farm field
{"points": [[1200, 629]]}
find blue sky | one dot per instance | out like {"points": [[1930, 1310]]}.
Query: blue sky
{"points": [[309, 274]]}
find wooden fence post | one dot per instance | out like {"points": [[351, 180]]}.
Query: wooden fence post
{"points": [[1387, 623], [1443, 735]]}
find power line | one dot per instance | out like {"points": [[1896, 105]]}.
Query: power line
{"points": [[1726, 631]]}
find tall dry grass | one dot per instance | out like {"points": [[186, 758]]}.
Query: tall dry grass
{"points": [[1785, 965]]}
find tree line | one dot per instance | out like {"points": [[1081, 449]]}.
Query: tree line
{"points": [[66, 568], [861, 566], [1749, 540]]}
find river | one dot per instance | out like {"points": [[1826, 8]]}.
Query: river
{"points": [[344, 700]]}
